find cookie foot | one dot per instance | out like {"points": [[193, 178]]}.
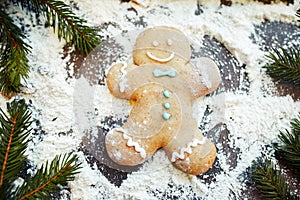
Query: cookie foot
{"points": [[122, 149], [196, 159]]}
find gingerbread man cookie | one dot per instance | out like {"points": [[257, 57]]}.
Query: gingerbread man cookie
{"points": [[161, 86]]}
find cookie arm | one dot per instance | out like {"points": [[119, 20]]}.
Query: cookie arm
{"points": [[206, 77], [116, 79]]}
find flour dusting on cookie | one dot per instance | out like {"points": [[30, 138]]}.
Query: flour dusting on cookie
{"points": [[162, 117]]}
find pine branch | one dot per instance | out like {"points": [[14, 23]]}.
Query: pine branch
{"points": [[70, 27], [49, 177], [13, 59], [269, 181], [285, 65], [289, 150], [14, 130], [67, 25], [13, 50]]}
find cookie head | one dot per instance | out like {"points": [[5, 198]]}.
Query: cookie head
{"points": [[161, 45]]}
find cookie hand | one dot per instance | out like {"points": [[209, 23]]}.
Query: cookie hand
{"points": [[207, 75], [116, 80]]}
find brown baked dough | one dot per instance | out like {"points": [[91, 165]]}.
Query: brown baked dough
{"points": [[162, 85]]}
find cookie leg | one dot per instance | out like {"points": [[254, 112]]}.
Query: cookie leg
{"points": [[122, 149], [200, 159], [192, 153]]}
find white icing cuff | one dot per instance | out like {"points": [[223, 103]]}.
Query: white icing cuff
{"points": [[123, 69], [123, 84], [187, 149], [123, 80], [131, 143]]}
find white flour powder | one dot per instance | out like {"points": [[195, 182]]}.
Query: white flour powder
{"points": [[252, 118]]}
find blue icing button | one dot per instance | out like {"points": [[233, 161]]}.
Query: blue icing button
{"points": [[167, 105], [166, 94], [166, 116]]}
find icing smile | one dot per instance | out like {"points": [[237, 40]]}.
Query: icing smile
{"points": [[151, 56]]}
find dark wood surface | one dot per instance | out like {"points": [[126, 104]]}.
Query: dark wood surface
{"points": [[267, 35]]}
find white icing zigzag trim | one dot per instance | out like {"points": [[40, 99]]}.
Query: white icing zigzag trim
{"points": [[123, 68], [131, 143], [150, 55], [123, 80], [123, 84], [187, 149]]}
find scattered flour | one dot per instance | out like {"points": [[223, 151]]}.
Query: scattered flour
{"points": [[253, 118]]}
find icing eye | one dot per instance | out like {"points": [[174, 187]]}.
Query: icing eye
{"points": [[169, 42], [155, 43]]}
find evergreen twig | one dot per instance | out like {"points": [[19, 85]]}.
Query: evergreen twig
{"points": [[285, 65], [67, 25], [289, 150], [14, 131], [49, 177], [13, 50], [269, 181], [13, 55]]}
